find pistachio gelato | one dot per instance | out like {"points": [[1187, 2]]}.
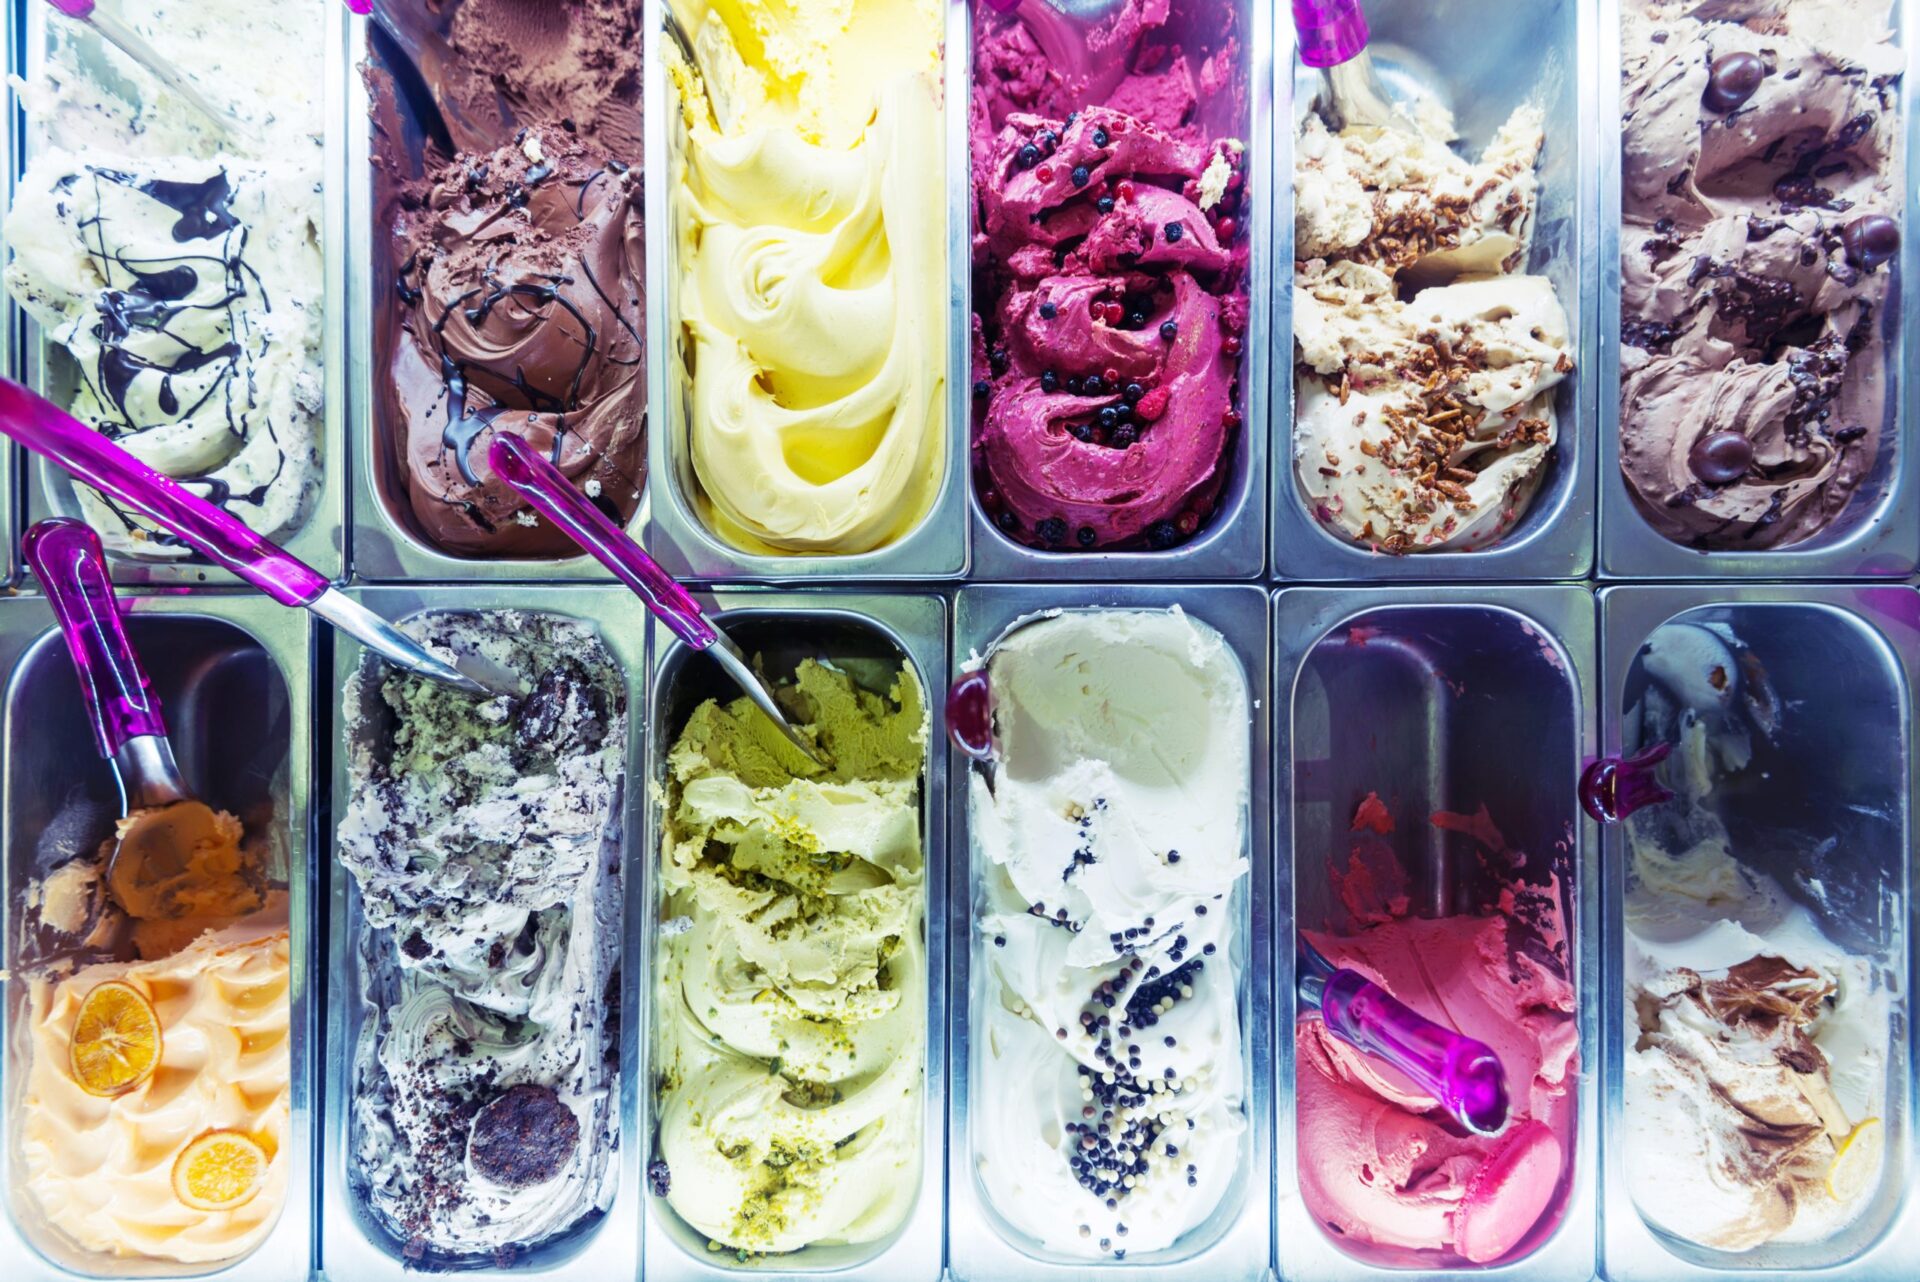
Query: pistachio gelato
{"points": [[789, 1039]]}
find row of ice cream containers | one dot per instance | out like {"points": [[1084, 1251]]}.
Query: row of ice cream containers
{"points": [[915, 290], [604, 977]]}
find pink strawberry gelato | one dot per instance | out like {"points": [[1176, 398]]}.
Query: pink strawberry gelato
{"points": [[1380, 1163], [1110, 263]]}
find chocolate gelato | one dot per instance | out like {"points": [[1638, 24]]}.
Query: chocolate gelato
{"points": [[1760, 185], [517, 262], [1108, 258]]}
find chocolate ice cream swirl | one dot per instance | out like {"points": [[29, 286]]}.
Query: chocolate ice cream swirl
{"points": [[1753, 293], [520, 289]]}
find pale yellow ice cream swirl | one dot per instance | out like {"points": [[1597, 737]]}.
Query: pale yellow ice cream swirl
{"points": [[791, 1017], [810, 229], [100, 1170]]}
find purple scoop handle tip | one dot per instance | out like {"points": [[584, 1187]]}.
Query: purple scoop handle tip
{"points": [[1462, 1073], [1331, 31], [551, 494], [361, 7], [74, 8], [1611, 788], [67, 558], [46, 429]]}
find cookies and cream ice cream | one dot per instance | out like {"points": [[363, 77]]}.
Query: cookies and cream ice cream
{"points": [[1427, 357], [518, 266], [1380, 1160], [483, 836], [808, 328], [1109, 274], [789, 1039], [178, 264], [1756, 1065], [1761, 194], [1108, 1089]]}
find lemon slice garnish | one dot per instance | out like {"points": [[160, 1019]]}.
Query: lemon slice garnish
{"points": [[1856, 1161]]}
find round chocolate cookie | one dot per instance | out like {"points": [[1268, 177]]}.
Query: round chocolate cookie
{"points": [[523, 1137]]}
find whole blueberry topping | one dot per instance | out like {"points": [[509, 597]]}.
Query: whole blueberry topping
{"points": [[1174, 231], [1080, 175], [1104, 204], [1048, 311], [1052, 531], [1086, 536], [1169, 330], [1100, 138]]}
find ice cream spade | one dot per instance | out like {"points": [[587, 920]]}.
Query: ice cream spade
{"points": [[683, 45], [1463, 1074], [47, 430], [134, 45], [168, 841], [552, 495], [1333, 37]]}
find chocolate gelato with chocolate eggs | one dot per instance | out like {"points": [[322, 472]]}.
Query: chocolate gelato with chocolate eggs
{"points": [[1426, 362], [517, 265], [483, 837], [1761, 187]]}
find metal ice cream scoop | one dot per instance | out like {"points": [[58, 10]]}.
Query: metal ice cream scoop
{"points": [[552, 495], [163, 826], [48, 430], [134, 45], [1463, 1074], [1333, 37]]}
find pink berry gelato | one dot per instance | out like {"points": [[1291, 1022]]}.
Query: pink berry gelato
{"points": [[1109, 271], [1380, 1162]]}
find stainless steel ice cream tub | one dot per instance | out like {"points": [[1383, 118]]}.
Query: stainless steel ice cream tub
{"points": [[1234, 1239], [1435, 699], [388, 542], [1231, 544], [678, 535], [602, 1242], [1877, 533], [48, 490], [1824, 809], [1485, 60], [234, 676], [782, 629]]}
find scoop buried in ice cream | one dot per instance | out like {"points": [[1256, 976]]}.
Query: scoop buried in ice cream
{"points": [[1761, 177], [1427, 360], [1110, 265], [1755, 1079], [790, 1016], [1380, 1162], [518, 298]]}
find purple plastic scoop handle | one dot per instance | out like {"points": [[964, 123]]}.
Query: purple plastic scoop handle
{"points": [[67, 558], [74, 8], [1462, 1073], [552, 495], [45, 429], [1331, 31]]}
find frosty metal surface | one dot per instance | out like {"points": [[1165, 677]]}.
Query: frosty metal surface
{"points": [[1878, 535], [388, 544], [1845, 662], [1235, 1241], [1233, 542], [785, 628], [46, 368], [1455, 697], [235, 675], [676, 535], [1486, 57], [352, 1245]]}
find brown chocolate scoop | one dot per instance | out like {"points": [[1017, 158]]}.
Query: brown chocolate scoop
{"points": [[523, 1137]]}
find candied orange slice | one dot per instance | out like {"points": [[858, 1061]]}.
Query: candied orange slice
{"points": [[219, 1171], [116, 1040]]}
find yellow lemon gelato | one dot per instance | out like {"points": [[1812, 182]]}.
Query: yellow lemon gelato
{"points": [[809, 223]]}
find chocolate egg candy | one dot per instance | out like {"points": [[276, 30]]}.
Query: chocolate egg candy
{"points": [[1870, 240], [1720, 458], [1732, 79]]}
